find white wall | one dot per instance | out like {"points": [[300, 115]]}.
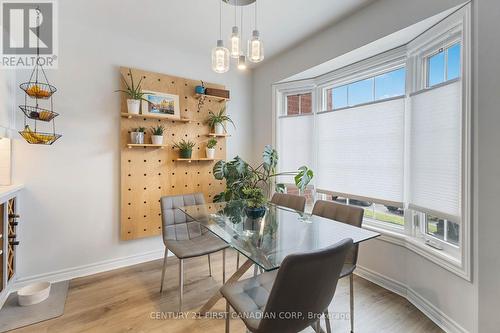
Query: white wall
{"points": [[438, 289], [487, 119], [70, 207]]}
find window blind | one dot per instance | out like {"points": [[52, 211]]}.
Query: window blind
{"points": [[361, 151], [435, 151], [295, 144]]}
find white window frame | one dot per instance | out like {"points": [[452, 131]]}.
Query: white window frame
{"points": [[413, 236]]}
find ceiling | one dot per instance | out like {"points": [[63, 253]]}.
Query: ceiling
{"points": [[193, 25], [381, 45]]}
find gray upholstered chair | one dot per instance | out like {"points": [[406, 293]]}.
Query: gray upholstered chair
{"points": [[304, 284], [185, 237], [292, 201], [350, 215]]}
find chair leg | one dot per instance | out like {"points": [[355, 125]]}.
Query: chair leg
{"points": [[164, 269], [181, 283], [351, 297], [227, 316], [223, 266], [237, 260], [209, 266], [327, 321]]}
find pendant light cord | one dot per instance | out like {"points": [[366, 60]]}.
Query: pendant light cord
{"points": [[220, 19], [255, 15]]}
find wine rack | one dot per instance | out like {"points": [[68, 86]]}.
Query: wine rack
{"points": [[13, 221], [2, 256]]}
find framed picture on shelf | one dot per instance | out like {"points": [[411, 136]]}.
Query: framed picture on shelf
{"points": [[161, 104]]}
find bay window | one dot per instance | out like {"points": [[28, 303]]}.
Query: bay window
{"points": [[391, 135]]}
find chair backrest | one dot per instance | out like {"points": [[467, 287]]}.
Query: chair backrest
{"points": [[292, 201], [305, 284], [342, 213], [176, 225]]}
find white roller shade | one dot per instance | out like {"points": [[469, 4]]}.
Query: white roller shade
{"points": [[361, 151], [295, 144], [435, 151]]}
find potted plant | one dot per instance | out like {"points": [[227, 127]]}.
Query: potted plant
{"points": [[134, 93], [137, 135], [217, 121], [211, 148], [185, 148], [157, 134], [255, 202], [244, 182]]}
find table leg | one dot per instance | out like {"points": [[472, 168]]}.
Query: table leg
{"points": [[217, 296]]}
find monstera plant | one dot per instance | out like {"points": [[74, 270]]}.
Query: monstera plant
{"points": [[255, 184]]}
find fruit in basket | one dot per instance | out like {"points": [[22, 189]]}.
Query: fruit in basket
{"points": [[44, 115], [33, 137], [34, 115], [37, 92]]}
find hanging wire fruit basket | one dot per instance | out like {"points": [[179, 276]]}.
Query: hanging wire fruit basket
{"points": [[39, 138], [38, 88], [37, 113]]}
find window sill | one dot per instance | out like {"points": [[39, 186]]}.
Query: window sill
{"points": [[418, 246]]}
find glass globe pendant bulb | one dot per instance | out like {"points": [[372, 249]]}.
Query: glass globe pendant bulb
{"points": [[255, 48], [235, 42], [242, 63], [220, 58]]}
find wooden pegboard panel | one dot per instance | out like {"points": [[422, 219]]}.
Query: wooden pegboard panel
{"points": [[150, 173]]}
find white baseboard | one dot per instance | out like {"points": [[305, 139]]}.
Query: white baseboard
{"points": [[441, 319], [85, 270]]}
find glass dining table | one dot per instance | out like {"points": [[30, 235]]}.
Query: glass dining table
{"points": [[266, 240]]}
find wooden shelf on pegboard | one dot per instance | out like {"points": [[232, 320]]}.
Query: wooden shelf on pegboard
{"points": [[153, 116]]}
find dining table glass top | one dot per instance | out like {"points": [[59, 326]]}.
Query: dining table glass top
{"points": [[280, 231]]}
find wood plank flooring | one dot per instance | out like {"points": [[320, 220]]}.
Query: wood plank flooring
{"points": [[128, 300]]}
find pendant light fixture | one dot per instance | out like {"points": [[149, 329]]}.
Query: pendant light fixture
{"points": [[235, 40], [255, 46], [220, 54], [242, 61]]}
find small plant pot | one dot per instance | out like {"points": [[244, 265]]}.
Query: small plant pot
{"points": [[219, 128], [199, 90], [133, 106], [157, 139], [137, 138], [186, 153], [255, 213], [210, 153]]}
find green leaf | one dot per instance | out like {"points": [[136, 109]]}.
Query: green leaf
{"points": [[303, 178], [220, 170], [270, 158], [219, 197], [240, 165], [280, 188]]}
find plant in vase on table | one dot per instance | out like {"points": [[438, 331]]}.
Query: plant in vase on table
{"points": [[135, 94], [256, 184], [157, 134], [137, 135], [217, 121], [211, 148], [185, 148]]}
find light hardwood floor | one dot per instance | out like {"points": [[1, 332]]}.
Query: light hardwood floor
{"points": [[126, 300]]}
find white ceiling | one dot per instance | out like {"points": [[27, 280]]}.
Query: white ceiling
{"points": [[381, 45], [193, 25]]}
